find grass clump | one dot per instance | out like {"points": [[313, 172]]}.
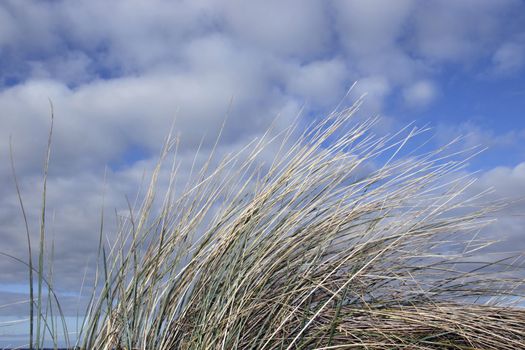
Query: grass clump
{"points": [[314, 250]]}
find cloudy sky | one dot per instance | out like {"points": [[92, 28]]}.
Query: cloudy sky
{"points": [[119, 72]]}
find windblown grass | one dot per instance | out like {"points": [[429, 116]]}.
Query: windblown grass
{"points": [[310, 251]]}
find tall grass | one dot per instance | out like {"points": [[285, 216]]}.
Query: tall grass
{"points": [[316, 249]]}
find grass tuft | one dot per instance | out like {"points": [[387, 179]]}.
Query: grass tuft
{"points": [[344, 240]]}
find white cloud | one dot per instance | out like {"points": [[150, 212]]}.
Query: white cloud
{"points": [[73, 67], [321, 83], [31, 26], [369, 28], [376, 89], [508, 184], [371, 32], [420, 94], [508, 181], [97, 122], [7, 27], [297, 28], [509, 58], [459, 31]]}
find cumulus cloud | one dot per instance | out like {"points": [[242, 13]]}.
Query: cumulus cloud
{"points": [[509, 58], [419, 94], [460, 31], [376, 88], [320, 83], [507, 181], [371, 26], [370, 32], [508, 184], [292, 28]]}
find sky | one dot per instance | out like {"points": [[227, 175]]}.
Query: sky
{"points": [[119, 72]]}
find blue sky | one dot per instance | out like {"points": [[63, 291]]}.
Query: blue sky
{"points": [[119, 71]]}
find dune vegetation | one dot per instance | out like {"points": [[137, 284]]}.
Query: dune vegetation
{"points": [[343, 240]]}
